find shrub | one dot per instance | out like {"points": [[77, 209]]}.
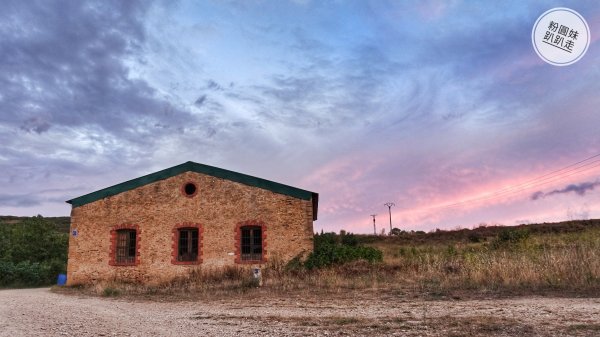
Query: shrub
{"points": [[32, 253], [474, 237], [329, 252], [325, 239], [111, 292], [349, 240], [294, 265], [510, 237], [396, 231], [28, 274]]}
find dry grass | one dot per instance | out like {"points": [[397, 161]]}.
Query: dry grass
{"points": [[558, 264], [362, 326], [232, 281], [567, 262]]}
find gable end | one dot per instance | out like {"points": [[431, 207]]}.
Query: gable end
{"points": [[203, 169]]}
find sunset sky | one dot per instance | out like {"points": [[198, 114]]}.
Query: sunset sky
{"points": [[443, 108]]}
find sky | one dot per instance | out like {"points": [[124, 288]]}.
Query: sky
{"points": [[441, 107]]}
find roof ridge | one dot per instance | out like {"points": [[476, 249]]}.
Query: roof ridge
{"points": [[198, 168]]}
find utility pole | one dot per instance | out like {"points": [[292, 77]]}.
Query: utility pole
{"points": [[389, 205], [374, 227]]}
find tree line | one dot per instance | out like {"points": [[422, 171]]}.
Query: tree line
{"points": [[32, 253]]}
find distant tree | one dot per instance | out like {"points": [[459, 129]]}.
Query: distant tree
{"points": [[36, 240], [396, 231], [32, 253], [325, 239], [330, 251], [5, 238], [349, 240]]}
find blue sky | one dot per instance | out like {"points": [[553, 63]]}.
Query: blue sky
{"points": [[425, 104]]}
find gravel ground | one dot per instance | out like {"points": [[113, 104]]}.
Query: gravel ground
{"points": [[40, 312]]}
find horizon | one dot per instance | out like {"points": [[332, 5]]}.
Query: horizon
{"points": [[443, 108], [409, 231]]}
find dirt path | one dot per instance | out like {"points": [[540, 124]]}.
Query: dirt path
{"points": [[39, 312]]}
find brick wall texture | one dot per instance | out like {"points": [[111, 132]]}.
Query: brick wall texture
{"points": [[157, 209]]}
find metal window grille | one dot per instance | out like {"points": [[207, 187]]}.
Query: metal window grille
{"points": [[126, 246], [188, 245], [251, 243]]}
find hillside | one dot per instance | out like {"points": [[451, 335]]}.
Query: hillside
{"points": [[62, 223], [549, 258], [482, 233]]}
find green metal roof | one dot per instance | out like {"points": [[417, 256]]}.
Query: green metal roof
{"points": [[204, 169]]}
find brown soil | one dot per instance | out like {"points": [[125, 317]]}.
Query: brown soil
{"points": [[40, 312]]}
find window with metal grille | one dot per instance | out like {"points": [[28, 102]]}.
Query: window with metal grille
{"points": [[187, 248], [126, 246], [251, 245]]}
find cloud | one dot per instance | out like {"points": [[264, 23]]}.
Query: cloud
{"points": [[70, 111], [537, 195], [211, 84], [20, 200], [579, 189], [67, 64], [35, 124], [413, 103], [200, 100], [68, 97]]}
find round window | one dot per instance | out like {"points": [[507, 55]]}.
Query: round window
{"points": [[190, 189]]}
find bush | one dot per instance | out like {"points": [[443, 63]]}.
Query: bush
{"points": [[111, 292], [397, 231], [349, 240], [510, 237], [27, 274], [32, 253], [325, 239], [474, 237], [329, 252], [294, 265]]}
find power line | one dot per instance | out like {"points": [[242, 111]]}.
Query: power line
{"points": [[522, 187], [494, 196], [573, 169], [548, 176]]}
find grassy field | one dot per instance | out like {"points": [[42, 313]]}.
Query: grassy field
{"points": [[62, 223], [560, 259], [549, 258]]}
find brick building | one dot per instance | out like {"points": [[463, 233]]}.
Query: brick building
{"points": [[159, 226]]}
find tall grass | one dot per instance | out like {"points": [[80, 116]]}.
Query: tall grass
{"points": [[517, 262], [510, 263]]}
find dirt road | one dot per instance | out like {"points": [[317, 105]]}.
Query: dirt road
{"points": [[40, 312]]}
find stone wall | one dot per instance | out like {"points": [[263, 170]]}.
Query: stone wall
{"points": [[156, 209]]}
